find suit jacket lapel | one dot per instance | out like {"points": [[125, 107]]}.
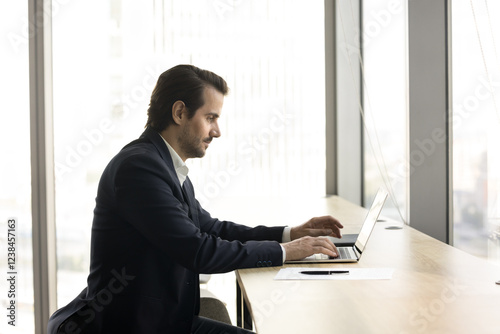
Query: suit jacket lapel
{"points": [[187, 196], [189, 191]]}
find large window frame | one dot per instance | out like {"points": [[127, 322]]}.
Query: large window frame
{"points": [[428, 110]]}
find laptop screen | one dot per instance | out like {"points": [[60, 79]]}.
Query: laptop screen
{"points": [[371, 219]]}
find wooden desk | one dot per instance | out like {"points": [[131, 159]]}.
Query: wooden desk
{"points": [[435, 289]]}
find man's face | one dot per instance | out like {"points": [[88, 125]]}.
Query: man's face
{"points": [[198, 132]]}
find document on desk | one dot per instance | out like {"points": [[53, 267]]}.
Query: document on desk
{"points": [[342, 274]]}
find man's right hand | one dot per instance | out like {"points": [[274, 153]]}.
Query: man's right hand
{"points": [[307, 246]]}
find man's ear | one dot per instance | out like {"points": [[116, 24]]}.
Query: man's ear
{"points": [[178, 111]]}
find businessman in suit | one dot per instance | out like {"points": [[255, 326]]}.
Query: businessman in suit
{"points": [[151, 238]]}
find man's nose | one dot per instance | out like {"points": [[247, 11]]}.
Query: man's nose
{"points": [[215, 132]]}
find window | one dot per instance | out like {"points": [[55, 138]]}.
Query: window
{"points": [[272, 123], [15, 182], [384, 104], [476, 127]]}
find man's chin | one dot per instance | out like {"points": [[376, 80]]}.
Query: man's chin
{"points": [[200, 153]]}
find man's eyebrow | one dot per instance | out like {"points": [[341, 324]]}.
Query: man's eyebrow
{"points": [[212, 114]]}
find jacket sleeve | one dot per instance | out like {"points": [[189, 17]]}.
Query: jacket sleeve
{"points": [[145, 199], [231, 231]]}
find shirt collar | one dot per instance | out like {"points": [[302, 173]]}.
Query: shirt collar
{"points": [[181, 169]]}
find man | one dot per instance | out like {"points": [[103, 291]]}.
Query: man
{"points": [[151, 238]]}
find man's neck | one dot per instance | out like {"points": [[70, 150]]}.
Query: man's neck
{"points": [[171, 138]]}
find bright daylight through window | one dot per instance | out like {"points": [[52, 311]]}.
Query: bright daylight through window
{"points": [[272, 122], [476, 127], [384, 104], [16, 297]]}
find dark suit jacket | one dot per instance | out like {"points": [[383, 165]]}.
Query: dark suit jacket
{"points": [[149, 244]]}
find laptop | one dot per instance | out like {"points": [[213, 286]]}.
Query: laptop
{"points": [[352, 252]]}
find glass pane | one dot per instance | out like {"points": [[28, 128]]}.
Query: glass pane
{"points": [[272, 123], [476, 127], [384, 104], [15, 171]]}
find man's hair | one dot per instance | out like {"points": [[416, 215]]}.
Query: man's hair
{"points": [[184, 83]]}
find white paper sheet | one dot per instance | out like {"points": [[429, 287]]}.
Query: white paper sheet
{"points": [[293, 273]]}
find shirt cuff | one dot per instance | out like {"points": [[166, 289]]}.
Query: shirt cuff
{"points": [[284, 253], [285, 238], [286, 234]]}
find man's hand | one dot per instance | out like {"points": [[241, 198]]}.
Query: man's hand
{"points": [[306, 246], [317, 226]]}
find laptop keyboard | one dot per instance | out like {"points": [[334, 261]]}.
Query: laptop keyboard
{"points": [[344, 253]]}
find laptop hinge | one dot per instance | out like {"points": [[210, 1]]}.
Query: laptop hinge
{"points": [[357, 251]]}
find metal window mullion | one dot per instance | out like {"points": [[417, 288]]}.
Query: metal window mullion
{"points": [[42, 162], [330, 99], [429, 133]]}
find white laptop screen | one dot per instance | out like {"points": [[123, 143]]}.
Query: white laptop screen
{"points": [[371, 219]]}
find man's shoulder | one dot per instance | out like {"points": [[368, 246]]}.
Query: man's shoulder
{"points": [[140, 153], [137, 152], [137, 149], [147, 143], [138, 145]]}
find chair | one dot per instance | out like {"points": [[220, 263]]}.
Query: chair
{"points": [[210, 306]]}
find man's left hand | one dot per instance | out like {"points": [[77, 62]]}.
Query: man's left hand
{"points": [[316, 227]]}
